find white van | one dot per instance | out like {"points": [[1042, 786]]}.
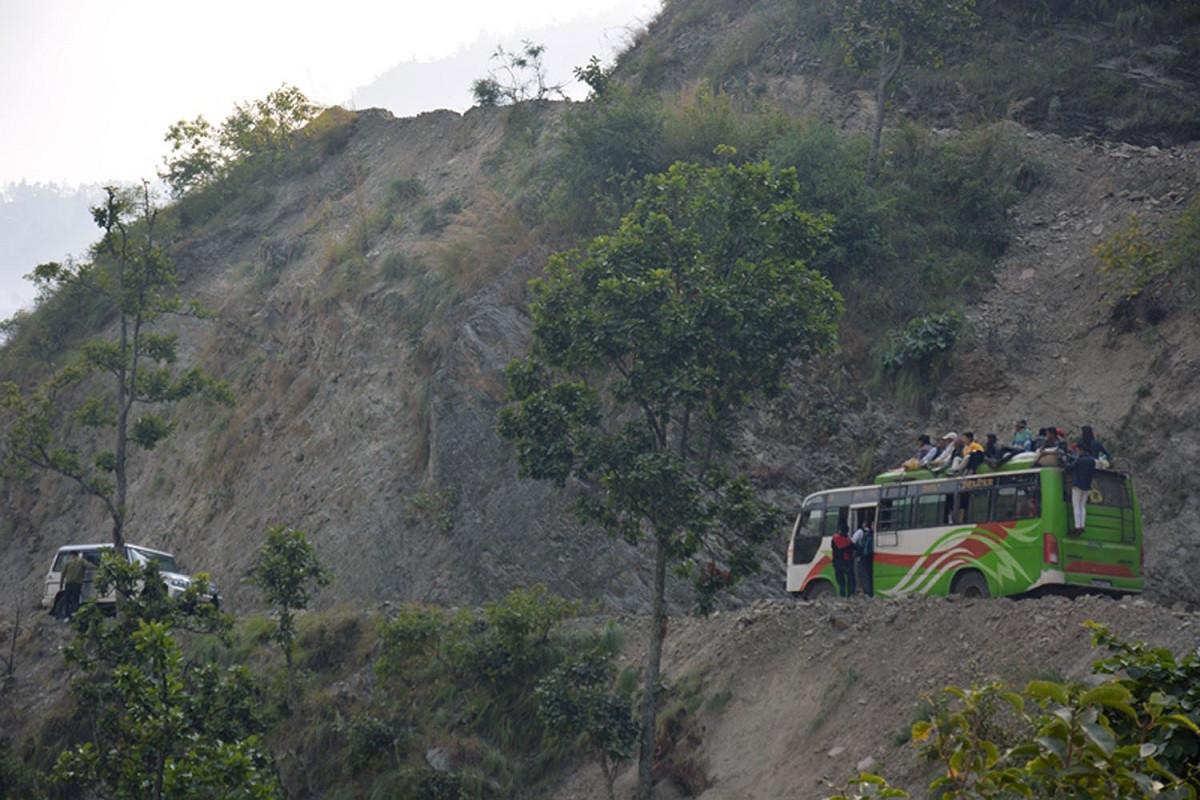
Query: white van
{"points": [[174, 580]]}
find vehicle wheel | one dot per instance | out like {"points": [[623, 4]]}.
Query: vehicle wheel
{"points": [[970, 584], [818, 590]]}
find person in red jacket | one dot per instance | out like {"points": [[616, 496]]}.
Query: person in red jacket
{"points": [[843, 562]]}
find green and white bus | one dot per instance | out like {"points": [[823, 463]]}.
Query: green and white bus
{"points": [[998, 533]]}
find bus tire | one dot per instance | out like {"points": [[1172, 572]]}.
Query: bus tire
{"points": [[818, 590], [970, 584]]}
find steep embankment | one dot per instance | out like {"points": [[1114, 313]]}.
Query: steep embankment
{"points": [[779, 699], [797, 696]]}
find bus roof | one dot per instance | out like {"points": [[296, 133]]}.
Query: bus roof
{"points": [[886, 484]]}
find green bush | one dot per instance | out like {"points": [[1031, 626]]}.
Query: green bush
{"points": [[405, 190], [605, 147], [920, 341], [473, 676]]}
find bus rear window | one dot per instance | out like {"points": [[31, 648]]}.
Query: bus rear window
{"points": [[1108, 489]]}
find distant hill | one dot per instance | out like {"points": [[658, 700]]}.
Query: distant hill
{"points": [[40, 223], [410, 88]]}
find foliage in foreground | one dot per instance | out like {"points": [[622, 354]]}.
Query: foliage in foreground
{"points": [[1123, 739], [160, 725]]}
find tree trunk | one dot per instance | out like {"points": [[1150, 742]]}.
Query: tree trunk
{"points": [[886, 73], [658, 632]]}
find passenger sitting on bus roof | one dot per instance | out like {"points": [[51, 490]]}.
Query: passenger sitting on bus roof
{"points": [[970, 455], [973, 452], [957, 456], [933, 452], [1088, 441], [1036, 442], [923, 448], [1051, 453], [1022, 442], [1022, 439], [992, 454], [945, 453]]}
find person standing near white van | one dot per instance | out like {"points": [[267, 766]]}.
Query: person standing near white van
{"points": [[72, 577]]}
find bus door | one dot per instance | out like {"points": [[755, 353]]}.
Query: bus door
{"points": [[1108, 552], [861, 513]]}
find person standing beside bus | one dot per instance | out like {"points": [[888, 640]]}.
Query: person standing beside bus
{"points": [[864, 549], [72, 579], [843, 562], [1081, 468]]}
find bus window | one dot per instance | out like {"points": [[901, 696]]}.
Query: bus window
{"points": [[1108, 489], [931, 510], [834, 518], [895, 514], [1015, 503], [973, 507]]}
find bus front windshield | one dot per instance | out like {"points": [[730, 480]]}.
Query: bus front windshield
{"points": [[807, 539]]}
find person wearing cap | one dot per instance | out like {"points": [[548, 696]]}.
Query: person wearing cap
{"points": [[945, 453]]}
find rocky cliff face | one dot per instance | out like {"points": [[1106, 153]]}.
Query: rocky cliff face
{"points": [[368, 304]]}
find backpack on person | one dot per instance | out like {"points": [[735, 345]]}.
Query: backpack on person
{"points": [[866, 545]]}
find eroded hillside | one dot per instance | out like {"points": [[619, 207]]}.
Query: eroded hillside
{"points": [[368, 301]]}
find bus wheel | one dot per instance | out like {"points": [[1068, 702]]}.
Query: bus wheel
{"points": [[818, 590], [970, 584]]}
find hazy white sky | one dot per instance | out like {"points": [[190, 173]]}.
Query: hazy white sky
{"points": [[89, 87]]}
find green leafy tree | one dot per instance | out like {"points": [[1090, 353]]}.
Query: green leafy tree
{"points": [[264, 127], [575, 703], [285, 569], [160, 725], [263, 130], [1159, 684], [595, 76], [520, 76], [167, 729], [881, 36], [82, 422], [195, 159], [645, 347]]}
